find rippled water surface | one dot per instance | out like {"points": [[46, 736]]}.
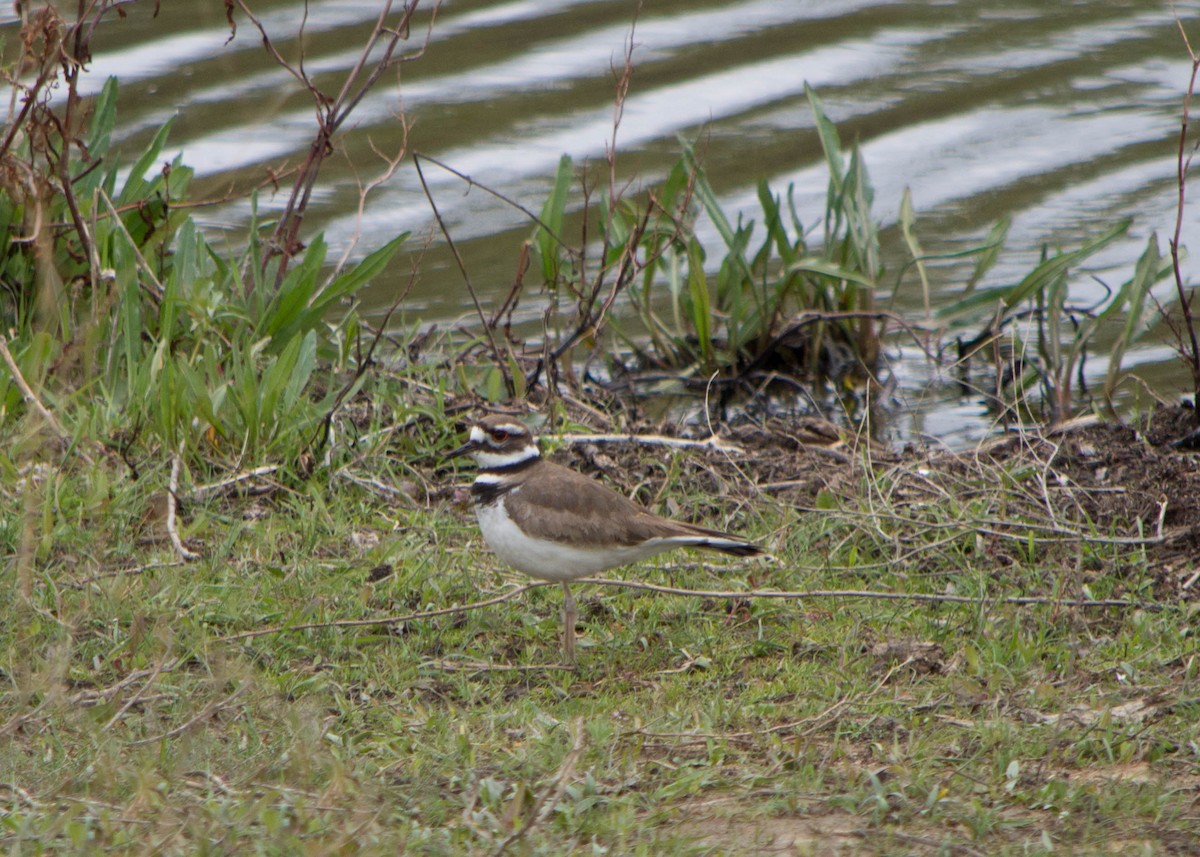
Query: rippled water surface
{"points": [[1064, 116]]}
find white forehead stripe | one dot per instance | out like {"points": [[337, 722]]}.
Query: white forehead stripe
{"points": [[512, 428], [476, 434]]}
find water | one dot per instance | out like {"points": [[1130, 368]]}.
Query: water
{"points": [[1063, 116]]}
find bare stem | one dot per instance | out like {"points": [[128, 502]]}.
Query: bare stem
{"points": [[1191, 352], [333, 111], [810, 594]]}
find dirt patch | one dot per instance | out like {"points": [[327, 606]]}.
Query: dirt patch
{"points": [[1142, 482], [830, 833], [1132, 487], [1130, 772]]}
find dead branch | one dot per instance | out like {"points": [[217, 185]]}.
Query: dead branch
{"points": [[379, 54], [391, 163], [390, 620], [711, 442], [172, 493], [549, 797], [784, 595], [29, 396], [223, 485], [501, 364], [133, 700], [207, 712], [1183, 165], [123, 572]]}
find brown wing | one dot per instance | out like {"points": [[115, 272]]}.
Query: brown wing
{"points": [[568, 506]]}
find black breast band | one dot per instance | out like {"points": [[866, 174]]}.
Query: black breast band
{"points": [[487, 493]]}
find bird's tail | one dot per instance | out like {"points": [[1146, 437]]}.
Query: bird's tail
{"points": [[695, 536], [732, 546], [715, 540]]}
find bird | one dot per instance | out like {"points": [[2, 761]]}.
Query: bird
{"points": [[554, 523]]}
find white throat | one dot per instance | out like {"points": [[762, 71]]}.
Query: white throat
{"points": [[489, 460]]}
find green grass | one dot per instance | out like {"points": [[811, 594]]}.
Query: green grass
{"points": [[228, 704], [693, 725]]}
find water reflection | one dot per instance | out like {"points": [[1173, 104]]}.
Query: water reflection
{"points": [[1065, 119]]}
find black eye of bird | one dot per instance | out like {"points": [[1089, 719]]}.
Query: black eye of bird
{"points": [[499, 435]]}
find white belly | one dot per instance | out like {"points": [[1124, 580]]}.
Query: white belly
{"points": [[553, 560]]}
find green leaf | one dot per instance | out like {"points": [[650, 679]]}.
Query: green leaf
{"points": [[1039, 280], [195, 394], [358, 276], [989, 252], [701, 308], [826, 501], [280, 318], [827, 133], [674, 185], [104, 119], [908, 221], [547, 241], [1151, 268], [188, 244], [494, 389], [302, 368], [136, 187], [774, 226], [704, 193], [736, 240], [518, 375], [828, 268], [1054, 268]]}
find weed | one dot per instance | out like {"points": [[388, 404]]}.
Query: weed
{"points": [[773, 305], [338, 667]]}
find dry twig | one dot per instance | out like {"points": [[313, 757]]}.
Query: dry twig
{"points": [[388, 620], [864, 594], [172, 489], [222, 485], [779, 594], [133, 700], [207, 712], [711, 442], [552, 793], [1191, 351], [31, 398]]}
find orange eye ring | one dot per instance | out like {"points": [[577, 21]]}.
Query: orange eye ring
{"points": [[499, 434]]}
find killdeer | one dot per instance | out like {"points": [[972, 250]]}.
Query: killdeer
{"points": [[555, 524]]}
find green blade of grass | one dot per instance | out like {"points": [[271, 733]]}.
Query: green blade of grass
{"points": [[547, 240], [1038, 280]]}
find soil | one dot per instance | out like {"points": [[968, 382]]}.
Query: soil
{"points": [[1135, 486]]}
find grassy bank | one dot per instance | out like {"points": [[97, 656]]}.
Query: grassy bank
{"points": [[245, 608], [160, 706]]}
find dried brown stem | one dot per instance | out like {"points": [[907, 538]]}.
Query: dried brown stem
{"points": [[711, 442], [1191, 351], [172, 493], [332, 111], [207, 712], [868, 595], [362, 365], [389, 620], [549, 797], [141, 692], [778, 594], [462, 267], [27, 393]]}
